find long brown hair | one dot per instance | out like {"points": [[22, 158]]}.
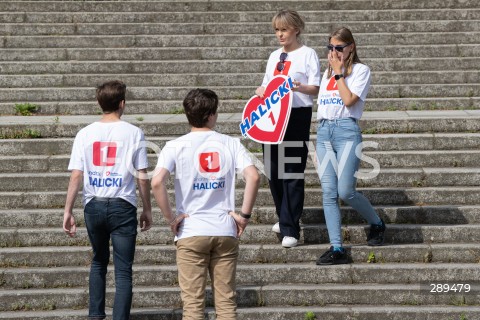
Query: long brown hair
{"points": [[345, 35]]}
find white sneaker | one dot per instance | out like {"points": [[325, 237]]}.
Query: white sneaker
{"points": [[289, 242], [276, 227]]}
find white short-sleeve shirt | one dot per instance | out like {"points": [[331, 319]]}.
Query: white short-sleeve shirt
{"points": [[302, 65], [205, 165], [330, 104], [109, 153]]}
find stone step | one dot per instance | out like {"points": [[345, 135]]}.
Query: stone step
{"points": [[362, 39], [313, 197], [228, 123], [441, 214], [146, 107], [255, 275], [232, 16], [367, 178], [358, 26], [380, 312], [404, 142], [212, 80], [248, 296], [279, 313], [385, 177], [189, 28], [154, 255], [21, 95], [257, 234], [222, 6], [220, 66], [418, 103], [386, 159]]}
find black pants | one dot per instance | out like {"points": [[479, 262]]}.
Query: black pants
{"points": [[289, 192]]}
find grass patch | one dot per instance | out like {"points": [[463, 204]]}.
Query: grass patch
{"points": [[21, 307], [25, 134], [371, 257], [463, 317], [25, 109], [177, 111], [256, 150], [460, 301], [411, 302]]}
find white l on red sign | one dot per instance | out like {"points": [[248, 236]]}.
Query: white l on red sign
{"points": [[265, 120]]}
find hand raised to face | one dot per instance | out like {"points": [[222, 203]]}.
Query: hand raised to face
{"points": [[335, 61]]}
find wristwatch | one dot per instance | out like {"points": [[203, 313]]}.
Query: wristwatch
{"points": [[244, 215], [338, 76]]}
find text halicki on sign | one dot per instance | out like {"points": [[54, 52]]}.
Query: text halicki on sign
{"points": [[265, 119]]}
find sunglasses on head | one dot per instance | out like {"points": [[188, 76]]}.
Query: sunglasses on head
{"points": [[281, 64], [338, 48]]}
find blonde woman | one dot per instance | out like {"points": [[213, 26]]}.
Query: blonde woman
{"points": [[286, 175]]}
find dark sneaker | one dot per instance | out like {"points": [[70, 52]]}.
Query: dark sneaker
{"points": [[376, 235], [331, 257]]}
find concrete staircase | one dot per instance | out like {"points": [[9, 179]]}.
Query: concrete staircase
{"points": [[422, 113]]}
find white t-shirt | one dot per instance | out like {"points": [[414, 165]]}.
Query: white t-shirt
{"points": [[205, 163], [109, 153], [330, 104], [301, 65]]}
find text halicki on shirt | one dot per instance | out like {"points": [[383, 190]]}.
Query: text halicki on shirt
{"points": [[105, 182], [327, 101]]}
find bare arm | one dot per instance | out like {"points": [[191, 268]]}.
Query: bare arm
{"points": [[160, 193], [348, 98], [305, 88], [74, 186], [143, 184], [252, 181]]}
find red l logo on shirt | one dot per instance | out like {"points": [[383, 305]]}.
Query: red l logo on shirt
{"points": [[332, 85], [104, 153], [286, 68], [209, 162]]}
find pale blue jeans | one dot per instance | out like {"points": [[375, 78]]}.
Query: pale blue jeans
{"points": [[337, 141]]}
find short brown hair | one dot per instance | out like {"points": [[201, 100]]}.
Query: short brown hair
{"points": [[199, 104], [110, 94]]}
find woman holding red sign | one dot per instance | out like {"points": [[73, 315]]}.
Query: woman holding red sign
{"points": [[343, 90], [286, 174]]}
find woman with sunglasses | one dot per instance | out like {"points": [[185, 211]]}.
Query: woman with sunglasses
{"points": [[343, 90], [301, 63]]}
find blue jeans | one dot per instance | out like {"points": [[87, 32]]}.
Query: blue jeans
{"points": [[337, 164], [113, 218]]}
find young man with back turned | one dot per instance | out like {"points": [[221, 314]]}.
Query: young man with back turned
{"points": [[206, 226], [107, 155]]}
